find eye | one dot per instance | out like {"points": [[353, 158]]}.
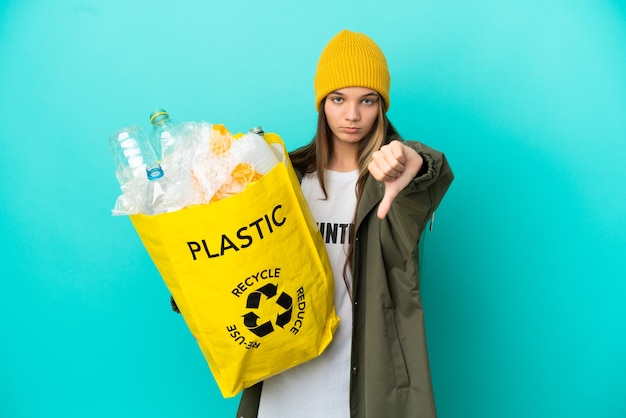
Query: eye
{"points": [[369, 101], [337, 99]]}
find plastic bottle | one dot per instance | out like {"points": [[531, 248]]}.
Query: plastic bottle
{"points": [[276, 149], [131, 151], [145, 189], [163, 135], [254, 150], [158, 196]]}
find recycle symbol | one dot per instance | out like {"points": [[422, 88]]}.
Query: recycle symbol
{"points": [[251, 319]]}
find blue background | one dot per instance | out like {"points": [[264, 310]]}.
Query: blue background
{"points": [[524, 272]]}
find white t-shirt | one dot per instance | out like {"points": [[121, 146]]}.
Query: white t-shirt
{"points": [[320, 388]]}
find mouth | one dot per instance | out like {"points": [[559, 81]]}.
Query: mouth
{"points": [[350, 129]]}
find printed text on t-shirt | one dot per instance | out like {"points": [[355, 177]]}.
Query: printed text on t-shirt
{"points": [[336, 233]]}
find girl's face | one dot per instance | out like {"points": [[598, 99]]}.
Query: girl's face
{"points": [[351, 113]]}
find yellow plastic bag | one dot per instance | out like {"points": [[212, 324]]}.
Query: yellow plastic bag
{"points": [[250, 275]]}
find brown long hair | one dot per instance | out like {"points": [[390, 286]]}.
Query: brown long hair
{"points": [[314, 157]]}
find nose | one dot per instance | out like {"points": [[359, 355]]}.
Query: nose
{"points": [[352, 112]]}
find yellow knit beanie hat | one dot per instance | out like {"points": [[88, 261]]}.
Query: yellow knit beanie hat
{"points": [[351, 59]]}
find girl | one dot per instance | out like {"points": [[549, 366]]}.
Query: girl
{"points": [[371, 194]]}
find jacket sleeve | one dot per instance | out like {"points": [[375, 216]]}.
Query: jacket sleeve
{"points": [[435, 176]]}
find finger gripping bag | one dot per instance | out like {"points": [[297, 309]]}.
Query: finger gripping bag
{"points": [[250, 275]]}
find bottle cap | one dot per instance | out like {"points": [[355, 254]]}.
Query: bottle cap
{"points": [[154, 172], [257, 130], [159, 116]]}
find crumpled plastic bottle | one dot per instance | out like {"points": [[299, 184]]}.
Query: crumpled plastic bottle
{"points": [[145, 189], [164, 134], [129, 147], [159, 196]]}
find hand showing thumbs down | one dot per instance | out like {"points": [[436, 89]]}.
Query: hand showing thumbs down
{"points": [[395, 164]]}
